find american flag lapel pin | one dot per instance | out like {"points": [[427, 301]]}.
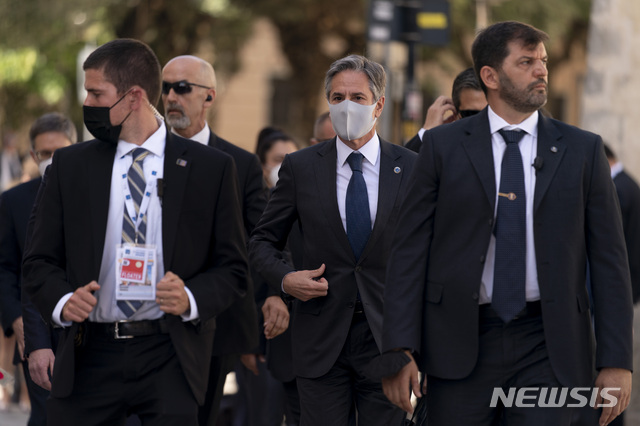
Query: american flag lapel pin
{"points": [[181, 162]]}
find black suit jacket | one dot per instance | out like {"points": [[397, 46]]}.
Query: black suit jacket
{"points": [[434, 277], [15, 207], [306, 193], [203, 242], [629, 197], [237, 328]]}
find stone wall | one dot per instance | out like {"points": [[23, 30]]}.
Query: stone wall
{"points": [[611, 100]]}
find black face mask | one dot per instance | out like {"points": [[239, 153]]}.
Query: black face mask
{"points": [[98, 123]]}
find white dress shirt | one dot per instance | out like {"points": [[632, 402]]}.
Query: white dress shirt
{"points": [[528, 149], [202, 136], [107, 309], [370, 172]]}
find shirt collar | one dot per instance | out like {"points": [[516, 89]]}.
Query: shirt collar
{"points": [[155, 144], [369, 150], [529, 125], [616, 169], [202, 136]]}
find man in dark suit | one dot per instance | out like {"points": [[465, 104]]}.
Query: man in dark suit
{"points": [[447, 300], [186, 108], [629, 196], [467, 99], [35, 340], [105, 218], [345, 194]]}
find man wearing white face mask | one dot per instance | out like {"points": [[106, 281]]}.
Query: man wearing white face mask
{"points": [[34, 339], [345, 194]]}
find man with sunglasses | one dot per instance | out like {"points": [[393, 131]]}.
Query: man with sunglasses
{"points": [[467, 99], [188, 91]]}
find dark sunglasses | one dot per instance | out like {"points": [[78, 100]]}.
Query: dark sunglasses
{"points": [[181, 87], [463, 113]]}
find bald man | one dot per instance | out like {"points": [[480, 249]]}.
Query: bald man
{"points": [[188, 91]]}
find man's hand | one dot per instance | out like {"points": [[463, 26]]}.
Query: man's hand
{"points": [[250, 361], [440, 112], [306, 285], [18, 329], [398, 387], [613, 378], [41, 366], [81, 303], [171, 295], [276, 317]]}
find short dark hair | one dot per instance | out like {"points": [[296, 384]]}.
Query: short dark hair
{"points": [[465, 80], [490, 47], [126, 63], [609, 152], [52, 122], [373, 70], [266, 138]]}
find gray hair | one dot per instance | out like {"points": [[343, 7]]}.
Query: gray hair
{"points": [[373, 70], [52, 122]]}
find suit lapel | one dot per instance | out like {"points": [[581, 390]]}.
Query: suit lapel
{"points": [[391, 174], [176, 171], [551, 150], [100, 168], [325, 171], [478, 147]]}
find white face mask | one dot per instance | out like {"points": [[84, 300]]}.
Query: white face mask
{"points": [[273, 175], [352, 120], [43, 165]]}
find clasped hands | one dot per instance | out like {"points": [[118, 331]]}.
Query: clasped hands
{"points": [[171, 297]]}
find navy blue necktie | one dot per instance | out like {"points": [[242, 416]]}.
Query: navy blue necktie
{"points": [[137, 185], [357, 206], [511, 240]]}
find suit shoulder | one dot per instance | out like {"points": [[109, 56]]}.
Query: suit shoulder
{"points": [[399, 151], [22, 190], [200, 151], [571, 133], [234, 150]]}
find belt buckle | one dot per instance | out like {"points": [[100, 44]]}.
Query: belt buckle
{"points": [[116, 331]]}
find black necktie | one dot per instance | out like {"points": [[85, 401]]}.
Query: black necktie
{"points": [[357, 206], [511, 240]]}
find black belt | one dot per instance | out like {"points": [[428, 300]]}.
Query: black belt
{"points": [[128, 329], [531, 310]]}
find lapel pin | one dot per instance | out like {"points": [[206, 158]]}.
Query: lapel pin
{"points": [[397, 170], [180, 162], [554, 149]]}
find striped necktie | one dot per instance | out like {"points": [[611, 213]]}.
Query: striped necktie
{"points": [[137, 185]]}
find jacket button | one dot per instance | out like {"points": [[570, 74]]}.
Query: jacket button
{"points": [[350, 305], [482, 259], [475, 296], [358, 268]]}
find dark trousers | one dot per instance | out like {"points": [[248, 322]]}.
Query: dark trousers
{"points": [[261, 399], [38, 397], [114, 378], [209, 411], [329, 399], [510, 355]]}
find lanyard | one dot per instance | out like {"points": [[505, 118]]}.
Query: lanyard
{"points": [[128, 199]]}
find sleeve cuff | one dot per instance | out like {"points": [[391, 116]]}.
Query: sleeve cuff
{"points": [[56, 316], [193, 313]]}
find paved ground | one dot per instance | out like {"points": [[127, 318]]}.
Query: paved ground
{"points": [[13, 416]]}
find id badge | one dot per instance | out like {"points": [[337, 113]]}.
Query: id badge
{"points": [[135, 272]]}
